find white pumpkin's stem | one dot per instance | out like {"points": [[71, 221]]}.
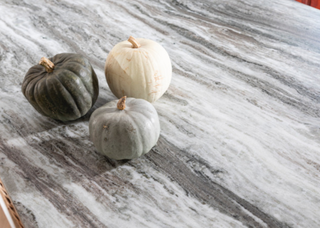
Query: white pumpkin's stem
{"points": [[47, 64], [134, 42], [122, 103]]}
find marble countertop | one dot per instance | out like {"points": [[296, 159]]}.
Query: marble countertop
{"points": [[240, 122]]}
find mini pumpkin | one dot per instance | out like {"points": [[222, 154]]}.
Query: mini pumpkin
{"points": [[63, 87], [138, 68], [125, 128]]}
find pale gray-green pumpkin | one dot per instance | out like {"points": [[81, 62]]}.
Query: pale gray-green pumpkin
{"points": [[125, 128], [63, 87]]}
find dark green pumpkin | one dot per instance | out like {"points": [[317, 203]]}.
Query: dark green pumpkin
{"points": [[66, 93]]}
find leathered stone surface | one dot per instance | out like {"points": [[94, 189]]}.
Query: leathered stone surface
{"points": [[240, 135]]}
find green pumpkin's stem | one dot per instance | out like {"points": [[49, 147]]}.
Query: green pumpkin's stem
{"points": [[47, 64], [121, 105], [134, 42]]}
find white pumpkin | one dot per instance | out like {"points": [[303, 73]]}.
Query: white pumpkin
{"points": [[138, 68], [125, 128]]}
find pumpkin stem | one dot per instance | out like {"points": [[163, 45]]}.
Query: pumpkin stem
{"points": [[121, 105], [47, 64], [134, 42]]}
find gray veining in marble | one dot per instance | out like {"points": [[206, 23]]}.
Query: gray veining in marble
{"points": [[240, 122]]}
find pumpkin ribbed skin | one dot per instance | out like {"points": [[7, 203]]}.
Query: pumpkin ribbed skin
{"points": [[144, 72], [65, 94], [125, 134]]}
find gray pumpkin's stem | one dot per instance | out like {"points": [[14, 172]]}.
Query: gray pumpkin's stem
{"points": [[134, 42], [47, 64], [121, 105]]}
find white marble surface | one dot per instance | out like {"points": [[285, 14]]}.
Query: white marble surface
{"points": [[240, 139]]}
